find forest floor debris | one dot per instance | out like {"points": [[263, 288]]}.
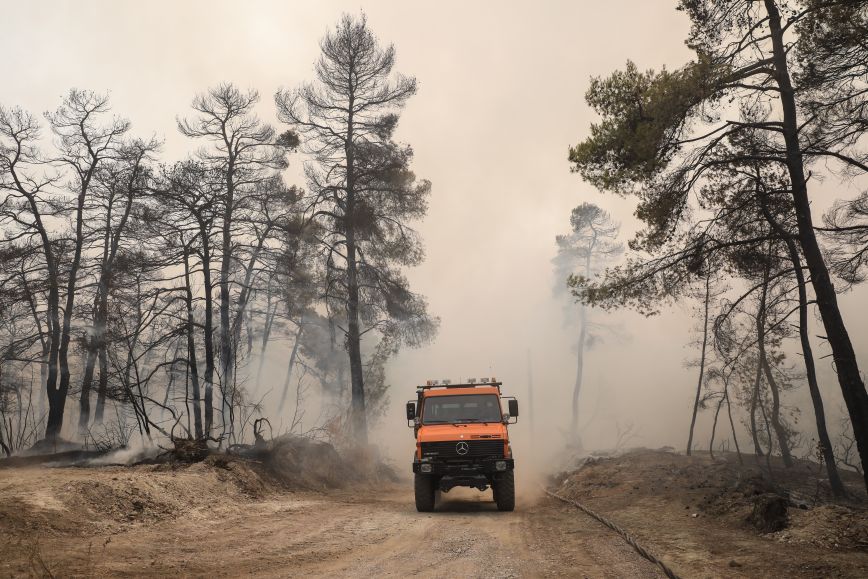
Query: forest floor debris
{"points": [[714, 517]]}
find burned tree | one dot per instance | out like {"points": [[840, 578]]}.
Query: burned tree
{"points": [[242, 153], [34, 198], [589, 247], [362, 193]]}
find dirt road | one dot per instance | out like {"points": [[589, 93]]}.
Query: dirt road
{"points": [[50, 522]]}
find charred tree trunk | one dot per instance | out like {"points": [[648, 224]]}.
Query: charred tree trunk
{"points": [[777, 425], [811, 372], [847, 368], [192, 362], [354, 349], [208, 330], [768, 436], [714, 427], [227, 357], [754, 401], [55, 415], [701, 366], [354, 336], [807, 352], [775, 418], [55, 402], [731, 421]]}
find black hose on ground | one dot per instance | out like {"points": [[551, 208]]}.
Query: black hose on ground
{"points": [[623, 534]]}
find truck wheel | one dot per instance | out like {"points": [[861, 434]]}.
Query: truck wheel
{"points": [[504, 491], [424, 487]]}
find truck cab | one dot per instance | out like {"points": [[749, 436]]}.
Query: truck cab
{"points": [[462, 439]]}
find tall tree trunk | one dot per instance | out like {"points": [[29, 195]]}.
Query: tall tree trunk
{"points": [[714, 427], [768, 436], [811, 371], [208, 332], [731, 421], [55, 416], [847, 368], [775, 419], [354, 336], [580, 354], [192, 363], [807, 352], [227, 358], [701, 366], [754, 401], [43, 379], [777, 425], [55, 402], [354, 349]]}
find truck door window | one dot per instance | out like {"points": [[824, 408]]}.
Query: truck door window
{"points": [[461, 408]]}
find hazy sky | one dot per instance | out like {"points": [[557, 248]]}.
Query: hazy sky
{"points": [[500, 99]]}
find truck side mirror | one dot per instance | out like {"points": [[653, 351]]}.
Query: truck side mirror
{"points": [[513, 408], [411, 410]]}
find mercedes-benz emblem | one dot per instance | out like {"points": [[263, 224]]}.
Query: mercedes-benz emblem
{"points": [[462, 448]]}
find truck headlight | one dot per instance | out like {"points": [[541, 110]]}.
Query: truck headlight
{"points": [[500, 465], [424, 467]]}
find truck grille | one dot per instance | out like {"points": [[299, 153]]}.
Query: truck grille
{"points": [[475, 449]]}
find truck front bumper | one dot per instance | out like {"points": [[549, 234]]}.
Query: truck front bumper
{"points": [[482, 466]]}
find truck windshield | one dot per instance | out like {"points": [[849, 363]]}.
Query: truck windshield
{"points": [[461, 408]]}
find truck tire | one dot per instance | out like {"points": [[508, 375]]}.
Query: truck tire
{"points": [[504, 491], [424, 487]]}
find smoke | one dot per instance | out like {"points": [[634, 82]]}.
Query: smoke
{"points": [[136, 452], [497, 201]]}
